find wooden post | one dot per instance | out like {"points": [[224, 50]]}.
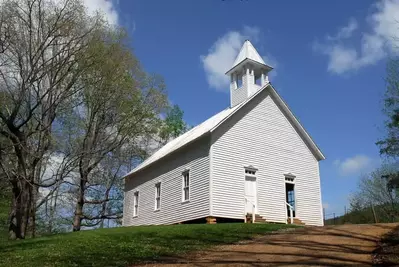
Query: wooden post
{"points": [[374, 215], [210, 220], [324, 215], [291, 215], [253, 213], [334, 217]]}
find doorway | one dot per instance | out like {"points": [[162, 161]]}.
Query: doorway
{"points": [[290, 198], [250, 194]]}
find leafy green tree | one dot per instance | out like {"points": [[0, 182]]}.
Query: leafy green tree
{"points": [[173, 125], [118, 105], [389, 146], [373, 192], [71, 92]]}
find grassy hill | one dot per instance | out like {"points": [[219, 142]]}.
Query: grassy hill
{"points": [[126, 245]]}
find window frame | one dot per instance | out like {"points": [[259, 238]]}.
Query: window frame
{"points": [[136, 199], [250, 171], [186, 187], [157, 196], [289, 178]]}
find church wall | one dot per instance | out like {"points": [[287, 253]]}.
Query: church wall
{"points": [[169, 171], [259, 134]]}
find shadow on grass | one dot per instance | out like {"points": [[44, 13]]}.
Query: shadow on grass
{"points": [[387, 253], [293, 249]]}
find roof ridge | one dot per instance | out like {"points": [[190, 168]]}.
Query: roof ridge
{"points": [[214, 122], [168, 147]]}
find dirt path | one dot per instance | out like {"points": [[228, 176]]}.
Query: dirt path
{"points": [[313, 246]]}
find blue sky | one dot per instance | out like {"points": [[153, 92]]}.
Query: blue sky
{"points": [[329, 59]]}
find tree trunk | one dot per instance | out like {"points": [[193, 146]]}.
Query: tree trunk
{"points": [[77, 221], [22, 190], [14, 229], [53, 209], [374, 215], [20, 209], [32, 215]]}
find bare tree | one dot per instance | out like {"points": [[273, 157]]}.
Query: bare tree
{"points": [[42, 59]]}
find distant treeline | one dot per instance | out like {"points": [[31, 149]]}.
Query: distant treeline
{"points": [[367, 215]]}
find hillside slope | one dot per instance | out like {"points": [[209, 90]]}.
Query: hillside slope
{"points": [[126, 245], [342, 245]]}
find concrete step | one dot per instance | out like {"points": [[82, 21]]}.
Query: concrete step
{"points": [[258, 218], [295, 221]]}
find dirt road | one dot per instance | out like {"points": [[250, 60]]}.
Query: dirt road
{"points": [[313, 246]]}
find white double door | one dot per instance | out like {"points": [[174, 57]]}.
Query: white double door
{"points": [[250, 194]]}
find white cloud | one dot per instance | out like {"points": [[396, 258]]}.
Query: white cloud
{"points": [[342, 59], [105, 7], [336, 162], [345, 32], [354, 165], [375, 43], [222, 54]]}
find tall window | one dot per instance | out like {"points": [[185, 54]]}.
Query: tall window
{"points": [[186, 186], [136, 203], [157, 196]]}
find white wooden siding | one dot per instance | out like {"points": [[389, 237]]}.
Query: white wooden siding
{"points": [[168, 171], [259, 134], [240, 94]]}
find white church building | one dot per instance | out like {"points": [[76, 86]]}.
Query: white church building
{"points": [[251, 162]]}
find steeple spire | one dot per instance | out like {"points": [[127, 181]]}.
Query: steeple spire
{"points": [[248, 74], [248, 51]]}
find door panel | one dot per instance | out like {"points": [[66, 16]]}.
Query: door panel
{"points": [[250, 193]]}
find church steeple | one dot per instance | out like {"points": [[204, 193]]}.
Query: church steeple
{"points": [[248, 74]]}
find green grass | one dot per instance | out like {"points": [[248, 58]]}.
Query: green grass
{"points": [[126, 245]]}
